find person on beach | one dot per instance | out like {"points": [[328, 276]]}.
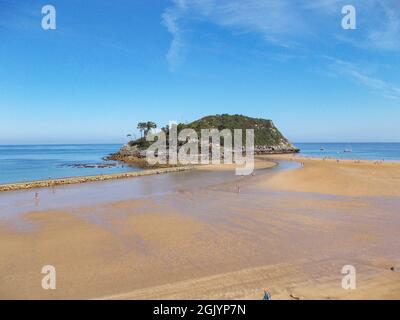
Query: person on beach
{"points": [[267, 296], [37, 199]]}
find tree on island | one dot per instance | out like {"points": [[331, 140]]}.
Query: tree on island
{"points": [[142, 128], [150, 125], [145, 127]]}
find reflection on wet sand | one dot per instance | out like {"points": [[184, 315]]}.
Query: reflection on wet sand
{"points": [[192, 235]]}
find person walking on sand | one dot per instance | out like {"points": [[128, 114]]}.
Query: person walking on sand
{"points": [[238, 189], [37, 199]]}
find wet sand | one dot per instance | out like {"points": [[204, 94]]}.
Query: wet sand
{"points": [[208, 234]]}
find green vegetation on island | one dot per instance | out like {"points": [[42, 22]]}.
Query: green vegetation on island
{"points": [[267, 138]]}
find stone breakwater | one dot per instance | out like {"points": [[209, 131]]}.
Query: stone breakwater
{"points": [[75, 180]]}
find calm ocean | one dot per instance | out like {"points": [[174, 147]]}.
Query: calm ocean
{"points": [[362, 151], [38, 162]]}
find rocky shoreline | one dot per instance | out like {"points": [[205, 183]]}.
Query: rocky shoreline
{"points": [[134, 155], [75, 180]]}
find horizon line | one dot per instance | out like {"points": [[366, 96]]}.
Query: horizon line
{"points": [[109, 143]]}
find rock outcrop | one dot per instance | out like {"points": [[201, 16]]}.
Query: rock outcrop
{"points": [[267, 138]]}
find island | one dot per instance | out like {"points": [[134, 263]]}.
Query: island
{"points": [[267, 138]]}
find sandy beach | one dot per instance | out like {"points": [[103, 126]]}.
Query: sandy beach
{"points": [[208, 234], [340, 177]]}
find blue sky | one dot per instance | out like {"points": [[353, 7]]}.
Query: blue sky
{"points": [[111, 64]]}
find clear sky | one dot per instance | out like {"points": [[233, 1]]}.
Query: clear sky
{"points": [[111, 64]]}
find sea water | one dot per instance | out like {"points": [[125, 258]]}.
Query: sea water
{"points": [[19, 163], [362, 151]]}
